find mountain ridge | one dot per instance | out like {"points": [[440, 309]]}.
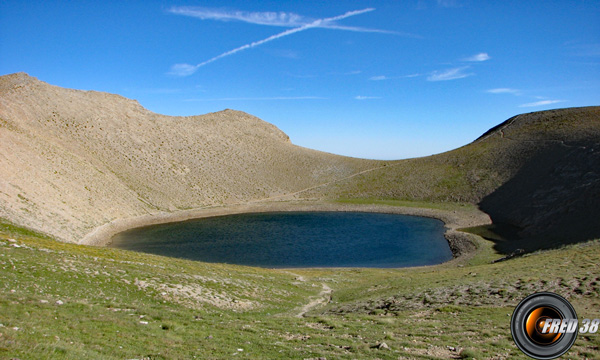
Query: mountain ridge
{"points": [[66, 154], [75, 160]]}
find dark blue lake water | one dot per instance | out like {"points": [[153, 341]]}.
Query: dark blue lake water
{"points": [[297, 239]]}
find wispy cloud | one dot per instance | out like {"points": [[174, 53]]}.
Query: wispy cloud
{"points": [[504, 91], [260, 18], [542, 100], [183, 69], [281, 19], [449, 74], [478, 57], [457, 72], [367, 30], [346, 73], [187, 69], [384, 77], [541, 103], [262, 98], [378, 78], [359, 97]]}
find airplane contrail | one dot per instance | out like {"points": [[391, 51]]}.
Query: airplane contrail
{"points": [[186, 69]]}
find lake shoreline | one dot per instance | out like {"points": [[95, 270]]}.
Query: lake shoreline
{"points": [[461, 243]]}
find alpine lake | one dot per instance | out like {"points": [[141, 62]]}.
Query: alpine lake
{"points": [[297, 240]]}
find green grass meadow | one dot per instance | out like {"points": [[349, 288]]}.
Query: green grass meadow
{"points": [[65, 301]]}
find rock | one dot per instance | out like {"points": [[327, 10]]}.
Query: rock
{"points": [[381, 346], [59, 302]]}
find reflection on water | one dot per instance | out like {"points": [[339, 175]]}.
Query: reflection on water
{"points": [[297, 239]]}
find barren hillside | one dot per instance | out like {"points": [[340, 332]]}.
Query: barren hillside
{"points": [[72, 160]]}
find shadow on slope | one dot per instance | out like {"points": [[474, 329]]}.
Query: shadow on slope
{"points": [[553, 200], [537, 175]]}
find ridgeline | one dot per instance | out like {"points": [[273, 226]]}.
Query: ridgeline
{"points": [[73, 161]]}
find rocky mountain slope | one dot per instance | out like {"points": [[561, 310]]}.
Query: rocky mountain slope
{"points": [[73, 160]]}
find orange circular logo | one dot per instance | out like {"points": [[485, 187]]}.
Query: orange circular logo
{"points": [[544, 325]]}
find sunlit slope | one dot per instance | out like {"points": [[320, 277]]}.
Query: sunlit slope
{"points": [[537, 172], [72, 160]]}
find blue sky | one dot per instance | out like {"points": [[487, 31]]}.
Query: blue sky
{"points": [[370, 79]]}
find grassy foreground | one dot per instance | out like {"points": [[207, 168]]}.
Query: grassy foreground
{"points": [[68, 301]]}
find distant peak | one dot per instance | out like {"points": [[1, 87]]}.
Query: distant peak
{"points": [[16, 80], [233, 112], [20, 74]]}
